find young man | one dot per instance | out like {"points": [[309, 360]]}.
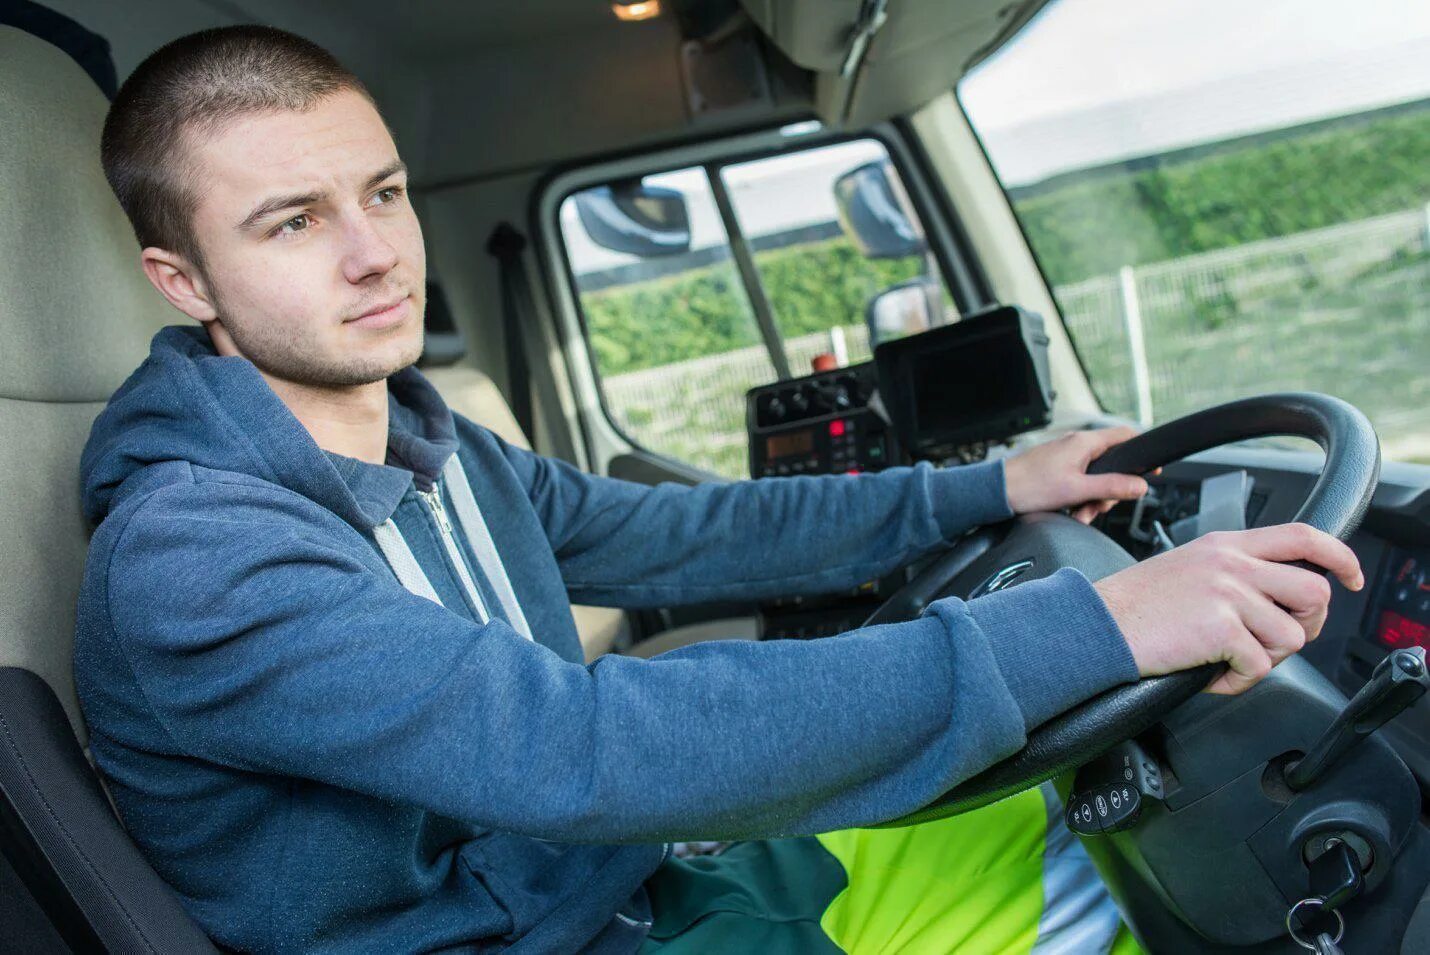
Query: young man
{"points": [[325, 649]]}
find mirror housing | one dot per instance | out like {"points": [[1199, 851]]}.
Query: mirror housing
{"points": [[631, 217], [910, 307], [875, 212]]}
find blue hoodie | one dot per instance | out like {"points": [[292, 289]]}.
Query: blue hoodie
{"points": [[343, 707]]}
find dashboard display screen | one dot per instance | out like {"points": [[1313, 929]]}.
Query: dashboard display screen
{"points": [[957, 385], [1403, 616], [984, 378], [784, 445]]}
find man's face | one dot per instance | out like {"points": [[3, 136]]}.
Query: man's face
{"points": [[313, 256]]}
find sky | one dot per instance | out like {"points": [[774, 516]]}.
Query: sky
{"points": [[1081, 53]]}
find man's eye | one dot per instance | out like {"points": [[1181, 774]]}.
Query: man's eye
{"points": [[296, 224], [390, 194]]}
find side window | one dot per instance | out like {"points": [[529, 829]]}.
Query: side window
{"points": [[697, 284]]}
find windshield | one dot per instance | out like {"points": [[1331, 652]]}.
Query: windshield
{"points": [[680, 329], [1227, 198]]}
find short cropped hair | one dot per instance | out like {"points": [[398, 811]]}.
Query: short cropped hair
{"points": [[193, 86]]}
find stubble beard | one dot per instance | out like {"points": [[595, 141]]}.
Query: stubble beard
{"points": [[290, 355]]}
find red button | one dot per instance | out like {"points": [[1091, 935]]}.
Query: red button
{"points": [[852, 471], [836, 428]]}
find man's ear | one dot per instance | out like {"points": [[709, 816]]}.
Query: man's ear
{"points": [[179, 281]]}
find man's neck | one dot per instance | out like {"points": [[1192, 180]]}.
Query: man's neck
{"points": [[348, 421]]}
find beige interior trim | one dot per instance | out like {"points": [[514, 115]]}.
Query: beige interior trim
{"points": [[734, 628]]}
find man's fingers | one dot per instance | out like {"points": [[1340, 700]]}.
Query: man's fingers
{"points": [[1304, 593], [1288, 542], [1247, 663], [1104, 438], [1114, 487], [1279, 634]]}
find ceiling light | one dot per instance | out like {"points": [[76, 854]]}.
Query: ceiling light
{"points": [[636, 9], [803, 128]]}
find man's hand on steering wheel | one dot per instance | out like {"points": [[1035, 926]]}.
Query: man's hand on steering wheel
{"points": [[1229, 596], [1226, 598], [1054, 475]]}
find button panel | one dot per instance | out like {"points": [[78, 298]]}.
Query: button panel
{"points": [[820, 424]]}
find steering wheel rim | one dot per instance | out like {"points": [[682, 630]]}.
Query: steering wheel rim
{"points": [[1336, 504]]}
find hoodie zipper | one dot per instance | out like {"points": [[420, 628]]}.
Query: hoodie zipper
{"points": [[439, 514]]}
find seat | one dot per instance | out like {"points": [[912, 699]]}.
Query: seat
{"points": [[471, 393], [77, 318]]}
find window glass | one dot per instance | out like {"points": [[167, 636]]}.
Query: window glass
{"points": [[676, 336], [1227, 198], [673, 337], [818, 280]]}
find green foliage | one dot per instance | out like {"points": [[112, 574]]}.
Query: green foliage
{"points": [[812, 287], [1080, 225], [1087, 224]]}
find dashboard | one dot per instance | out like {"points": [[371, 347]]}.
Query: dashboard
{"points": [[1401, 614], [1393, 544]]}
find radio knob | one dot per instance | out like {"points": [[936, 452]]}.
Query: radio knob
{"points": [[776, 409]]}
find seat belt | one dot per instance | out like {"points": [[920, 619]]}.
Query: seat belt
{"points": [[506, 246]]}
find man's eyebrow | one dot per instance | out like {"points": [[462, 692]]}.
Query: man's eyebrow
{"points": [[391, 169], [277, 203]]}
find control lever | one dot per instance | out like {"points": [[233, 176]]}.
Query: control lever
{"points": [[1396, 683], [1108, 793]]}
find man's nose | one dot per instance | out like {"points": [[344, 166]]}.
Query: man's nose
{"points": [[367, 252]]}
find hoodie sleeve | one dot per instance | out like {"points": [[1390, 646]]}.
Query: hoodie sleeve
{"points": [[623, 544], [289, 648]]}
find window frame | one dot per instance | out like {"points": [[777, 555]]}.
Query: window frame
{"points": [[960, 273]]}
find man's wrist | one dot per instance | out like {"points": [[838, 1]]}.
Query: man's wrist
{"points": [[1013, 483], [1055, 641], [968, 496]]}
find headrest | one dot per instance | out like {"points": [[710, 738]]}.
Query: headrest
{"points": [[76, 312], [442, 343]]}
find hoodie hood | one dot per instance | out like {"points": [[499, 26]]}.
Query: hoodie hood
{"points": [[186, 402]]}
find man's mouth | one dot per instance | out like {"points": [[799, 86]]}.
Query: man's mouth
{"points": [[382, 316]]}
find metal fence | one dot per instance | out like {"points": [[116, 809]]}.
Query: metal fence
{"points": [[1343, 310]]}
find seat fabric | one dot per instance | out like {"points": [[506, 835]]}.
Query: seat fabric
{"points": [[76, 316]]}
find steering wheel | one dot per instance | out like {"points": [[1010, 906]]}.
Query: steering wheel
{"points": [[1035, 545]]}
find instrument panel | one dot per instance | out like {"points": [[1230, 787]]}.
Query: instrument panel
{"points": [[1400, 616]]}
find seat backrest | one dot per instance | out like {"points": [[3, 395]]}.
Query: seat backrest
{"points": [[76, 316]]}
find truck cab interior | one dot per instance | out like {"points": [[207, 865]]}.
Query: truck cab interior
{"points": [[705, 240]]}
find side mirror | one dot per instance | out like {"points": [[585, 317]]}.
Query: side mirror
{"points": [[874, 212], [904, 309], [631, 217]]}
